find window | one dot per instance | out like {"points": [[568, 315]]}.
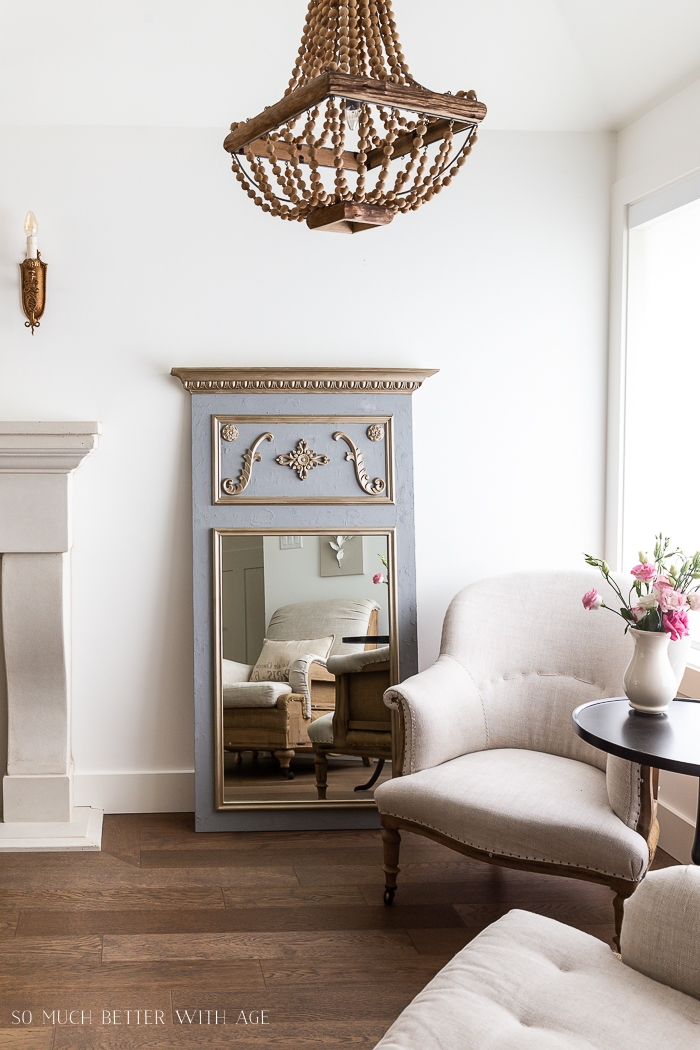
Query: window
{"points": [[661, 477]]}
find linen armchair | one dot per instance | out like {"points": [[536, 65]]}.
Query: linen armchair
{"points": [[490, 764]]}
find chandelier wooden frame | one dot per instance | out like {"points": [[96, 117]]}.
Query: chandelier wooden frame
{"points": [[351, 74]]}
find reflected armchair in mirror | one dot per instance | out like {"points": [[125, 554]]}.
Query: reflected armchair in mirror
{"points": [[269, 705], [361, 722]]}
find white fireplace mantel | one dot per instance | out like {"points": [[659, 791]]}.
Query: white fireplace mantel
{"points": [[37, 461]]}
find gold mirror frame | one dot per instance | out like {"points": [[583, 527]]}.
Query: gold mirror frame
{"points": [[217, 535]]}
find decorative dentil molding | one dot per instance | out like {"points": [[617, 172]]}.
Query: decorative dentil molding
{"points": [[302, 380]]}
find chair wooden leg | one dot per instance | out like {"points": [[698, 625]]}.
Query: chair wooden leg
{"points": [[236, 757], [392, 844], [366, 761], [619, 906], [284, 758], [321, 767]]}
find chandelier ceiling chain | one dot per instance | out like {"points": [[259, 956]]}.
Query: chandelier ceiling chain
{"points": [[352, 111]]}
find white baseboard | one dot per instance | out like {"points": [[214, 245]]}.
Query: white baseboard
{"points": [[677, 833], [167, 791]]}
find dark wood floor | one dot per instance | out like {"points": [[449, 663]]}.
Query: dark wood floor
{"points": [[291, 924]]}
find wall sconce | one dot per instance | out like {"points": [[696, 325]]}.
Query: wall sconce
{"points": [[33, 277]]}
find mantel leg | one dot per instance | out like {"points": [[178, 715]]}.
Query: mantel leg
{"points": [[695, 852]]}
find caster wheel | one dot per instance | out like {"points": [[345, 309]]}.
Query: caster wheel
{"points": [[389, 896], [290, 775]]}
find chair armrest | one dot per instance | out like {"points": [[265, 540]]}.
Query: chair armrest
{"points": [[232, 672], [299, 676], [442, 714], [661, 928]]}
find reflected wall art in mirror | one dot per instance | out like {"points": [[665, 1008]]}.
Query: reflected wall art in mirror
{"points": [[303, 591]]}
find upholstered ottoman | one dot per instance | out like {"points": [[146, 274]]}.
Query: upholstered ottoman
{"points": [[530, 983]]}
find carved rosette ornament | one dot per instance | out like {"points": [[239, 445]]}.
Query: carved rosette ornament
{"points": [[302, 459], [356, 139], [375, 432], [229, 432]]}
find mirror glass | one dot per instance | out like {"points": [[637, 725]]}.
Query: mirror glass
{"points": [[306, 645]]}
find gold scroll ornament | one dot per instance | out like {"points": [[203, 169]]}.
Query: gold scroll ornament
{"points": [[372, 488], [250, 456]]}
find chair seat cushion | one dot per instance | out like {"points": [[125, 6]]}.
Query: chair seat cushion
{"points": [[321, 729], [522, 804], [254, 694], [530, 983]]}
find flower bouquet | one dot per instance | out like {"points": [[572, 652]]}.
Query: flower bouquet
{"points": [[665, 589]]}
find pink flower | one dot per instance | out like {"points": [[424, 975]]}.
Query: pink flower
{"points": [[676, 623], [592, 600], [378, 577], [694, 600], [639, 612], [669, 598], [643, 572]]}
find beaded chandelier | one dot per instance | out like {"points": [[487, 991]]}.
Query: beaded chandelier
{"points": [[355, 139]]}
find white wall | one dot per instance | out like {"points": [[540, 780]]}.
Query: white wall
{"points": [[295, 576], [157, 259], [659, 149]]}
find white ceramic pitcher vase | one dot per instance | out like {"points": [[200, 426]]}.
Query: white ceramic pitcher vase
{"points": [[650, 682]]}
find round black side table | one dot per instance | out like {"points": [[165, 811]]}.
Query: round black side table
{"points": [[669, 741], [366, 639]]}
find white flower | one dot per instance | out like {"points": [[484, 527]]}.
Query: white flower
{"points": [[647, 601], [694, 600]]}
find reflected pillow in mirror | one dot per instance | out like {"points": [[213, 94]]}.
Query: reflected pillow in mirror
{"points": [[277, 657]]}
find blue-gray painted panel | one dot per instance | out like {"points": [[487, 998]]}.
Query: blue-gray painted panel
{"points": [[207, 516]]}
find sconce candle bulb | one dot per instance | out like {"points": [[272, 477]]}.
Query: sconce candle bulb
{"points": [[31, 228], [32, 276]]}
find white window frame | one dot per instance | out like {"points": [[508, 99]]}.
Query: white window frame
{"points": [[670, 183]]}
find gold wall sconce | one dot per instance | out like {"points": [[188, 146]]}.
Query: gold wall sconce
{"points": [[33, 277]]}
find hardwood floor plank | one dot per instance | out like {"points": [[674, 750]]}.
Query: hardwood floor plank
{"points": [[183, 898], [158, 832], [442, 942], [121, 836], [272, 1036], [27, 1039], [9, 917], [568, 912], [48, 976], [243, 857], [283, 944], [508, 887], [25, 948], [139, 878], [330, 973], [372, 873], [318, 896], [365, 917]]}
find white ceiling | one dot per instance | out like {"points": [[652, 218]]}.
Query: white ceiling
{"points": [[537, 64]]}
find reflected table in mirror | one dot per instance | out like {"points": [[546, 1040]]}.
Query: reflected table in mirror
{"points": [[669, 741]]}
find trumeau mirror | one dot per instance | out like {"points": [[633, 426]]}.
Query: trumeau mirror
{"points": [[304, 590]]}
